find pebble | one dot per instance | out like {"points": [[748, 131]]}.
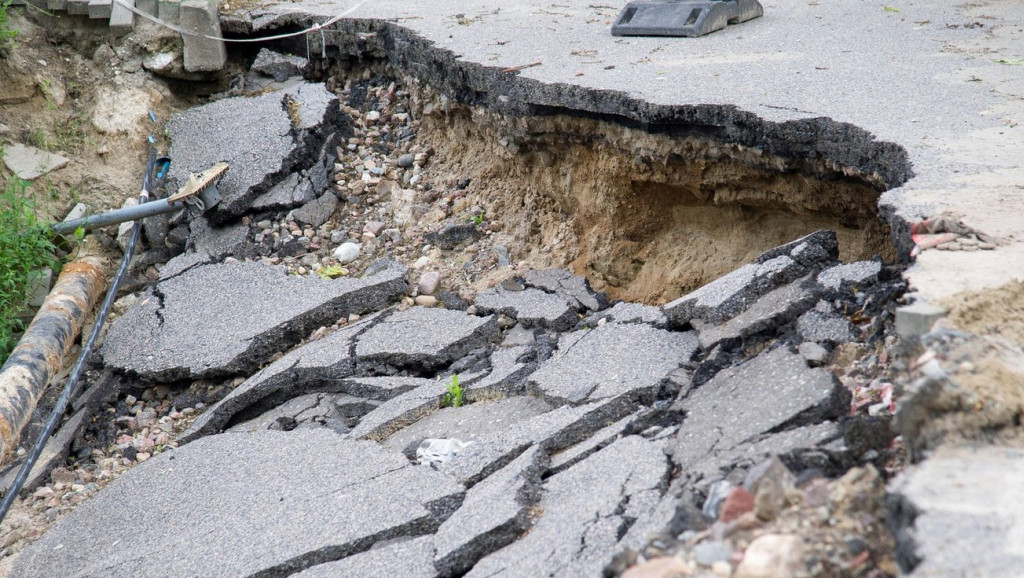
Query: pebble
{"points": [[347, 252], [738, 502], [428, 283], [772, 555], [142, 456], [814, 354], [660, 567], [405, 161], [426, 300], [707, 553], [372, 116], [421, 262]]}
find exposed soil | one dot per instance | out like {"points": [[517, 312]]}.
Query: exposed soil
{"points": [[995, 312]]}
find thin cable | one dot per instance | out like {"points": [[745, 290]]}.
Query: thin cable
{"points": [[70, 386], [182, 31]]}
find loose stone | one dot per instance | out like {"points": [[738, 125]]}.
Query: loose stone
{"points": [[347, 252]]}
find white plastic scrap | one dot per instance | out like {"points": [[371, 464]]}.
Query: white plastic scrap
{"points": [[439, 451]]}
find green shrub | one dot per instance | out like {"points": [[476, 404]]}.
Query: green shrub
{"points": [[7, 33], [24, 247], [453, 396]]}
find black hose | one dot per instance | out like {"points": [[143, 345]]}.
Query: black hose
{"points": [[70, 386]]}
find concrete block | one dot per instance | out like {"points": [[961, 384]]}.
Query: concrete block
{"points": [[169, 11], [53, 5], [147, 6], [202, 53], [100, 9], [913, 321], [122, 20], [79, 7]]}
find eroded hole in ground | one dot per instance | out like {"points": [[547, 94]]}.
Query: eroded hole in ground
{"points": [[648, 217]]}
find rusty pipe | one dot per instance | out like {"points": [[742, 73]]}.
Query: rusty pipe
{"points": [[48, 339]]}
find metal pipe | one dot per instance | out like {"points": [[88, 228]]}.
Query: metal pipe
{"points": [[118, 216]]}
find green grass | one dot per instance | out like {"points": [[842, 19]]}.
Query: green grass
{"points": [[7, 33], [24, 247], [453, 397]]}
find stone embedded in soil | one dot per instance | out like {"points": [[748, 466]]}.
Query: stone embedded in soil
{"points": [[424, 338], [407, 558], [451, 236], [292, 128], [577, 531], [774, 390], [611, 361], [213, 320], [731, 294], [316, 212], [317, 498], [959, 513], [29, 163], [859, 275], [770, 311], [574, 288], [772, 555], [531, 307], [493, 514]]}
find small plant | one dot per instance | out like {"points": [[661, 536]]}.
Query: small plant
{"points": [[7, 34], [24, 247], [39, 139], [332, 272], [453, 396]]}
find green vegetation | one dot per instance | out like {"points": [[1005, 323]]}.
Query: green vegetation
{"points": [[453, 398], [7, 33], [24, 247]]}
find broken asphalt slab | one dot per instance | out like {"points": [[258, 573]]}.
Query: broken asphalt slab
{"points": [[323, 499], [731, 294], [293, 126], [774, 391], [577, 531], [614, 360], [424, 338], [530, 307], [213, 319]]}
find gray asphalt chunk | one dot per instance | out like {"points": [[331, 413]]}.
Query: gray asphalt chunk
{"points": [[336, 411], [959, 514], [278, 66], [424, 338], [531, 307], [405, 558], [772, 391], [553, 431], [578, 530], [212, 320], [220, 241], [507, 376], [771, 310], [469, 423], [315, 497], [599, 439], [860, 274], [573, 287], [401, 411], [182, 263], [612, 361], [294, 123], [316, 212], [825, 327], [492, 516], [731, 294], [624, 312], [288, 193], [325, 359]]}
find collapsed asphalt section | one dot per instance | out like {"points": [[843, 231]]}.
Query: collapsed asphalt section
{"points": [[656, 413]]}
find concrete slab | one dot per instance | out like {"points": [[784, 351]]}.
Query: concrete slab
{"points": [[122, 20], [160, 339], [774, 390], [320, 498], [204, 47], [611, 361], [30, 163], [100, 9], [260, 154], [530, 307], [493, 515], [959, 513], [578, 530], [424, 338]]}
